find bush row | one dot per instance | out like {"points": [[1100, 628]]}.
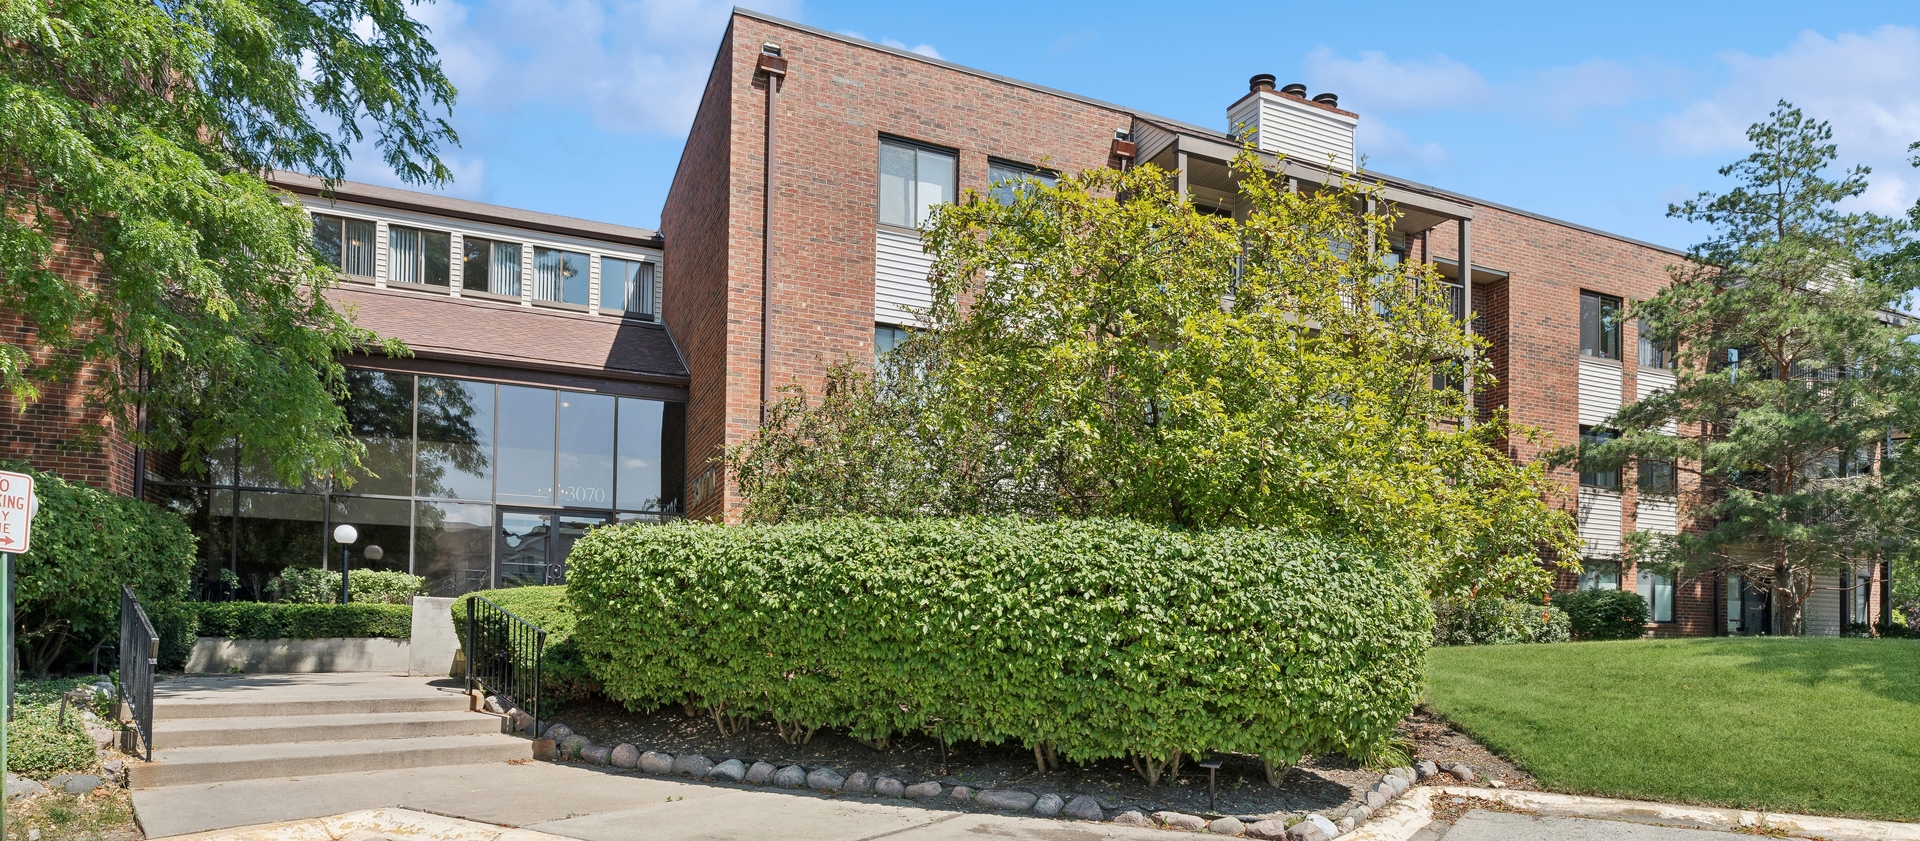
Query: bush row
{"points": [[1495, 621], [564, 676], [269, 620], [1095, 638], [304, 585]]}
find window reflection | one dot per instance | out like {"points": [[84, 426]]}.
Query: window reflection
{"points": [[453, 546], [586, 450], [456, 439], [525, 450], [379, 409]]}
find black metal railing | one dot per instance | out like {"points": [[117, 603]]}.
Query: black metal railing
{"points": [[504, 655], [139, 651]]}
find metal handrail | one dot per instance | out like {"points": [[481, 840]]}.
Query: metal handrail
{"points": [[504, 656], [139, 652]]}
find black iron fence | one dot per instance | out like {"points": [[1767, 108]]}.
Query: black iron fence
{"points": [[504, 654], [139, 651]]}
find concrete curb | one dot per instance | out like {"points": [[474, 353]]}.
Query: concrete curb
{"points": [[396, 824], [1704, 817]]}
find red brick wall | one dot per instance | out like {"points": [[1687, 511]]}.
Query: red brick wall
{"points": [[1532, 324], [61, 431], [837, 100]]}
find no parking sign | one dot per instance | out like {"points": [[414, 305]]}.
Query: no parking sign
{"points": [[17, 507]]}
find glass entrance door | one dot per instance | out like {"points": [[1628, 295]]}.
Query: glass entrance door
{"points": [[533, 545]]}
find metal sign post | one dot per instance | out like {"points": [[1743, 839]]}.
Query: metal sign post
{"points": [[18, 504]]}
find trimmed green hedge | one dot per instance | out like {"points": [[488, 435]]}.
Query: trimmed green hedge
{"points": [[305, 585], [1096, 638], [269, 620], [1605, 614], [1495, 621], [564, 676]]}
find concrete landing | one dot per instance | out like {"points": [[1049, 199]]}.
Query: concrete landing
{"points": [[592, 805]]}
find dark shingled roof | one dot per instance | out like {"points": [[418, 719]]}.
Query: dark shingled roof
{"points": [[437, 326]]}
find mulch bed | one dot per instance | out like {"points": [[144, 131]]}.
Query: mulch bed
{"points": [[1326, 784]]}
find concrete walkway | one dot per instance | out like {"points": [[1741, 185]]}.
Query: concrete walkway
{"points": [[592, 805], [1505, 826]]}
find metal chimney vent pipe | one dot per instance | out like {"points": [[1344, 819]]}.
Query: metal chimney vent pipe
{"points": [[1295, 89], [1260, 82], [1330, 100]]}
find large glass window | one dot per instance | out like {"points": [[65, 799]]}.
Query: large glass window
{"points": [[525, 436], [346, 244], [1593, 436], [418, 256], [1600, 575], [560, 276], [1005, 180], [471, 485], [1657, 589], [627, 286], [586, 450], [490, 266], [1599, 325], [380, 410], [886, 337], [651, 452], [913, 181], [1657, 477], [1655, 351]]}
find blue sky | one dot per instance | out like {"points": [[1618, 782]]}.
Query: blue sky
{"points": [[1600, 114]]}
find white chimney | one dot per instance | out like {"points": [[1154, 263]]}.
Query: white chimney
{"points": [[1286, 122]]}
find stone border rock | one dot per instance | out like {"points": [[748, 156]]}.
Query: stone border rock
{"points": [[1312, 826], [112, 768]]}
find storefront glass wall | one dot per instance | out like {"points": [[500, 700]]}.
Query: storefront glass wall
{"points": [[468, 484]]}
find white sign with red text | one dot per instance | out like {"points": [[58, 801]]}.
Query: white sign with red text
{"points": [[17, 507]]}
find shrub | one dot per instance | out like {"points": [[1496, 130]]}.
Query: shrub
{"points": [[1604, 614], [37, 746], [305, 585], [86, 543], [1494, 621], [564, 676], [269, 621], [1091, 638]]}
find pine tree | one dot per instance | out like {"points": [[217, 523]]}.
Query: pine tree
{"points": [[1796, 378]]}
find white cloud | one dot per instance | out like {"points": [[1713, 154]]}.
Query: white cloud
{"points": [[920, 49], [1567, 91], [636, 66], [1374, 81], [1382, 141], [1866, 85]]}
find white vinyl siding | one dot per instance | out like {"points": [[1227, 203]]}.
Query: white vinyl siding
{"points": [[1648, 382], [1660, 515], [1600, 384], [1284, 126], [900, 266], [1822, 610], [1599, 523]]}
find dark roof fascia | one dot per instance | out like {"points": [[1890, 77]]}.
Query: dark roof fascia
{"points": [[419, 202]]}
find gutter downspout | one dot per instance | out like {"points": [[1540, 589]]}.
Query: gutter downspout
{"points": [[775, 67]]}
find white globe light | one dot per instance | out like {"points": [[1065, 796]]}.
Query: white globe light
{"points": [[374, 553], [345, 533]]}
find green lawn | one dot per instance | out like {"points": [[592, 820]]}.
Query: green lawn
{"points": [[1826, 727]]}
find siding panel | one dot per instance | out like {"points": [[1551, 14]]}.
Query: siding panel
{"points": [[1599, 519], [1285, 127], [900, 289], [1648, 382], [1657, 514], [1599, 391], [1823, 607]]}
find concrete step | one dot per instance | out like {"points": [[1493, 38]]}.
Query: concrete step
{"points": [[225, 763], [265, 695], [335, 727]]}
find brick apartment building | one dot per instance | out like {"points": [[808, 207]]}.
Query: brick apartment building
{"points": [[569, 373]]}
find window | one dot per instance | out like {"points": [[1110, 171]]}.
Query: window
{"points": [[560, 276], [1657, 477], [346, 244], [1657, 589], [417, 256], [491, 267], [627, 286], [1599, 325], [1591, 436], [1655, 351], [1005, 179], [913, 181], [886, 337], [1862, 597], [1600, 575]]}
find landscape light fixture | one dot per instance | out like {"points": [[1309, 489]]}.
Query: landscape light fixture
{"points": [[345, 534]]}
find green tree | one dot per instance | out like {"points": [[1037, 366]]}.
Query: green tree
{"points": [[138, 134], [1101, 349], [1793, 377]]}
